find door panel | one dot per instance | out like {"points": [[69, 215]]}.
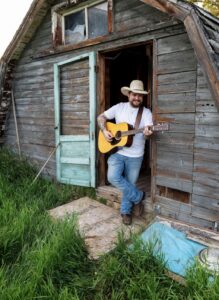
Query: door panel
{"points": [[75, 98]]}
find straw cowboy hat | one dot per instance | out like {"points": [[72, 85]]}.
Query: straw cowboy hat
{"points": [[136, 86]]}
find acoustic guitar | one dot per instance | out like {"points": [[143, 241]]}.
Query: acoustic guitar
{"points": [[123, 135]]}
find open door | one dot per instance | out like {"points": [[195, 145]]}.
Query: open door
{"points": [[118, 68], [75, 98]]}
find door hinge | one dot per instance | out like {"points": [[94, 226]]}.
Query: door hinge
{"points": [[96, 69]]}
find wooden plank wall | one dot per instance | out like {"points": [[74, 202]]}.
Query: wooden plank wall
{"points": [[205, 198], [176, 86], [187, 156], [132, 14], [34, 78], [34, 97], [176, 100]]}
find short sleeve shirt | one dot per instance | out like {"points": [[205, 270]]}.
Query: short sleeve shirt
{"points": [[124, 112]]}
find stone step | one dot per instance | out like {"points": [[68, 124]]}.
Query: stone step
{"points": [[99, 224], [113, 197]]}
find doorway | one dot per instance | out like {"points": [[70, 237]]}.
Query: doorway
{"points": [[118, 68]]}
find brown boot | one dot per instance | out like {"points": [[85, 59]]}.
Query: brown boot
{"points": [[138, 209], [127, 219]]}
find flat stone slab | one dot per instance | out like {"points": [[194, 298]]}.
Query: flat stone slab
{"points": [[98, 223]]}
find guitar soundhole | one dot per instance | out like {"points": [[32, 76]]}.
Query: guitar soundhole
{"points": [[118, 135], [114, 141], [117, 138]]}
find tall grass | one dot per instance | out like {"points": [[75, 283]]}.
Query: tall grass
{"points": [[43, 259], [55, 262], [134, 273]]}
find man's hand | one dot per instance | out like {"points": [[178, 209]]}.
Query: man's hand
{"points": [[147, 131], [108, 135]]}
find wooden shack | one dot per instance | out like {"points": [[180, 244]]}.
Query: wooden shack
{"points": [[67, 63]]}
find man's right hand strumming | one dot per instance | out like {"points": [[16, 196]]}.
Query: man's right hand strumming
{"points": [[108, 135]]}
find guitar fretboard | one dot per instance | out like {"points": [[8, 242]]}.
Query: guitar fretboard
{"points": [[132, 132], [159, 127]]}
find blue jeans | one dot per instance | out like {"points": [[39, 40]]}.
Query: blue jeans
{"points": [[123, 173]]}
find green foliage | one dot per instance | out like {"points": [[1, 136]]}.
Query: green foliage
{"points": [[211, 6], [46, 259]]}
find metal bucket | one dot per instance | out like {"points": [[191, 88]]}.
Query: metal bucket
{"points": [[209, 257]]}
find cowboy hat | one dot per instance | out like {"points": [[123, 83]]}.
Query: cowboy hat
{"points": [[136, 86]]}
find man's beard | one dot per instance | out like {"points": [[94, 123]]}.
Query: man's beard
{"points": [[139, 103]]}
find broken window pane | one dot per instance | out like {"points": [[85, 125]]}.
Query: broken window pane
{"points": [[75, 30], [97, 20]]}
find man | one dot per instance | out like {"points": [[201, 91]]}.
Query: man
{"points": [[124, 165]]}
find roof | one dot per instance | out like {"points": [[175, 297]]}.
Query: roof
{"points": [[211, 29]]}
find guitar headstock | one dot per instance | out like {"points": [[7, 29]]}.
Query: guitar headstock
{"points": [[161, 127]]}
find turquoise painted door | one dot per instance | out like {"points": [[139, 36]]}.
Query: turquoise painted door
{"points": [[75, 99]]}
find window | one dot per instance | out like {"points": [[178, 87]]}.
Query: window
{"points": [[76, 24], [97, 20]]}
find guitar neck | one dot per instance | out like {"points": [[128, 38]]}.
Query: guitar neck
{"points": [[132, 132], [158, 127]]}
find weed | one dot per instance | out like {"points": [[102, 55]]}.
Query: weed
{"points": [[102, 200]]}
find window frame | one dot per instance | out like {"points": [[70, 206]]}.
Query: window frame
{"points": [[60, 11]]}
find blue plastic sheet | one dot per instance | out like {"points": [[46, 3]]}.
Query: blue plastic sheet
{"points": [[178, 251]]}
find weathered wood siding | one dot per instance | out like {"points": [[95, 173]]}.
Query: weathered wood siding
{"points": [[34, 97], [187, 157], [176, 88], [132, 14], [205, 198], [34, 78]]}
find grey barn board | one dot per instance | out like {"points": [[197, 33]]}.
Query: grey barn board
{"points": [[185, 159], [206, 152], [176, 77]]}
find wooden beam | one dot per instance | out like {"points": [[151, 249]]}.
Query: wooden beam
{"points": [[110, 16], [169, 8], [101, 108], [154, 106]]}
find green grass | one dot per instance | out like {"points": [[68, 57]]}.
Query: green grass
{"points": [[43, 259]]}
